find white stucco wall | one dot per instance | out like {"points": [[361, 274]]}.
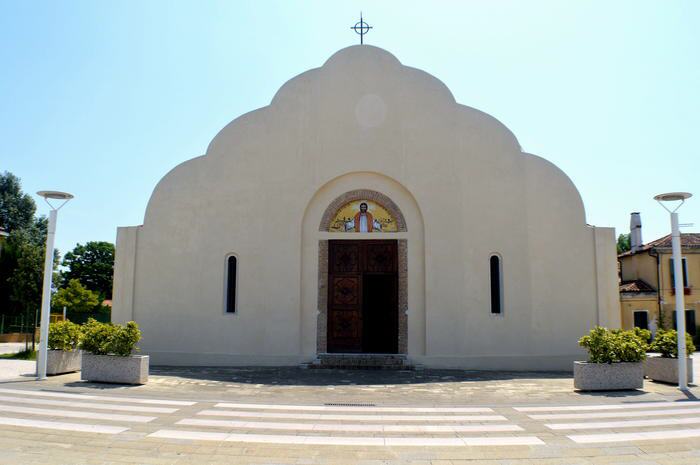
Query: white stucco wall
{"points": [[365, 121]]}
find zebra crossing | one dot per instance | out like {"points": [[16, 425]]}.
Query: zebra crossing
{"points": [[642, 415], [349, 425], [47, 409]]}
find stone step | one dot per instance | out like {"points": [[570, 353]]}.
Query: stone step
{"points": [[362, 361]]}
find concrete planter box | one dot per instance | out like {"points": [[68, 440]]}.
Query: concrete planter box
{"points": [[114, 369], [61, 361], [608, 376], [666, 369]]}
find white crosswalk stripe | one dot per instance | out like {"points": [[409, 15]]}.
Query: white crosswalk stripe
{"points": [[625, 423], [349, 440], [578, 408], [68, 395], [340, 417], [75, 414], [638, 415], [78, 406], [330, 408], [98, 406], [637, 436], [626, 414], [58, 425], [350, 427]]}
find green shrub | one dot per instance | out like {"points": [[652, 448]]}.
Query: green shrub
{"points": [[64, 335], [666, 342], [613, 346], [124, 339], [644, 334], [109, 339], [96, 336]]}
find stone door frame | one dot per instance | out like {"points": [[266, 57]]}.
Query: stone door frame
{"points": [[393, 209]]}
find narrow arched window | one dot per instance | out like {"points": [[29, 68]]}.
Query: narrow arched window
{"points": [[496, 273], [231, 271]]}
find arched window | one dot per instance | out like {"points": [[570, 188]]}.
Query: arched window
{"points": [[496, 274], [231, 273]]}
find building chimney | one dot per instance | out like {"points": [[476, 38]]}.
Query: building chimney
{"points": [[635, 232]]}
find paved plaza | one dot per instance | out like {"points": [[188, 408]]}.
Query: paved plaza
{"points": [[12, 347], [297, 416]]}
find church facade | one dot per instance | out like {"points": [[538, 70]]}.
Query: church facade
{"points": [[365, 211]]}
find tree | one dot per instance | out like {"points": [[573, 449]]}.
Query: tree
{"points": [[21, 261], [623, 243], [16, 208], [75, 297], [22, 268], [93, 265]]}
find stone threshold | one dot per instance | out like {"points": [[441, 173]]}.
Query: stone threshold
{"points": [[361, 361]]}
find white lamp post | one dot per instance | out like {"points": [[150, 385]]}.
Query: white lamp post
{"points": [[48, 273], [678, 273]]}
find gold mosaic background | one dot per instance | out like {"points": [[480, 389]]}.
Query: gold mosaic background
{"points": [[347, 213]]}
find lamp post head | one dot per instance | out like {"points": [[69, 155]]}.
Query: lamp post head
{"points": [[672, 197], [55, 195]]}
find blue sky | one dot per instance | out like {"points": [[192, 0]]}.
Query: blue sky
{"points": [[101, 99]]}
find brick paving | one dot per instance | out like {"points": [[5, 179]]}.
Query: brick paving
{"points": [[281, 416]]}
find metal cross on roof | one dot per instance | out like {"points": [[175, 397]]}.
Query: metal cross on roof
{"points": [[361, 28]]}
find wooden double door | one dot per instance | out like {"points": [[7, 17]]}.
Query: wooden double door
{"points": [[363, 296]]}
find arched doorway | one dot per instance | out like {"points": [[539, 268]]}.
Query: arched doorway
{"points": [[321, 214], [363, 276]]}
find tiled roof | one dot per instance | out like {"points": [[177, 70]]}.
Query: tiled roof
{"points": [[688, 241], [636, 285]]}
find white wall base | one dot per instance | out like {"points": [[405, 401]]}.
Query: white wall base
{"points": [[499, 362], [488, 363], [217, 359]]}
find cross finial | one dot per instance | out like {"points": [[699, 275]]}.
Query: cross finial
{"points": [[361, 28]]}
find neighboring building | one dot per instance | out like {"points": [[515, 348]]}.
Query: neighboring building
{"points": [[366, 211], [647, 281]]}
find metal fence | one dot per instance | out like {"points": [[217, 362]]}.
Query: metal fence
{"points": [[16, 324], [24, 323], [81, 318]]}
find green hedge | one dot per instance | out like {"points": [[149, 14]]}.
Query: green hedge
{"points": [[666, 342], [614, 346], [109, 339], [64, 335]]}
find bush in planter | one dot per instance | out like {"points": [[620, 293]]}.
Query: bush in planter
{"points": [[64, 339], [109, 358], [96, 336], [109, 339], [64, 335], [124, 339], [666, 342], [613, 346], [644, 334], [614, 362]]}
